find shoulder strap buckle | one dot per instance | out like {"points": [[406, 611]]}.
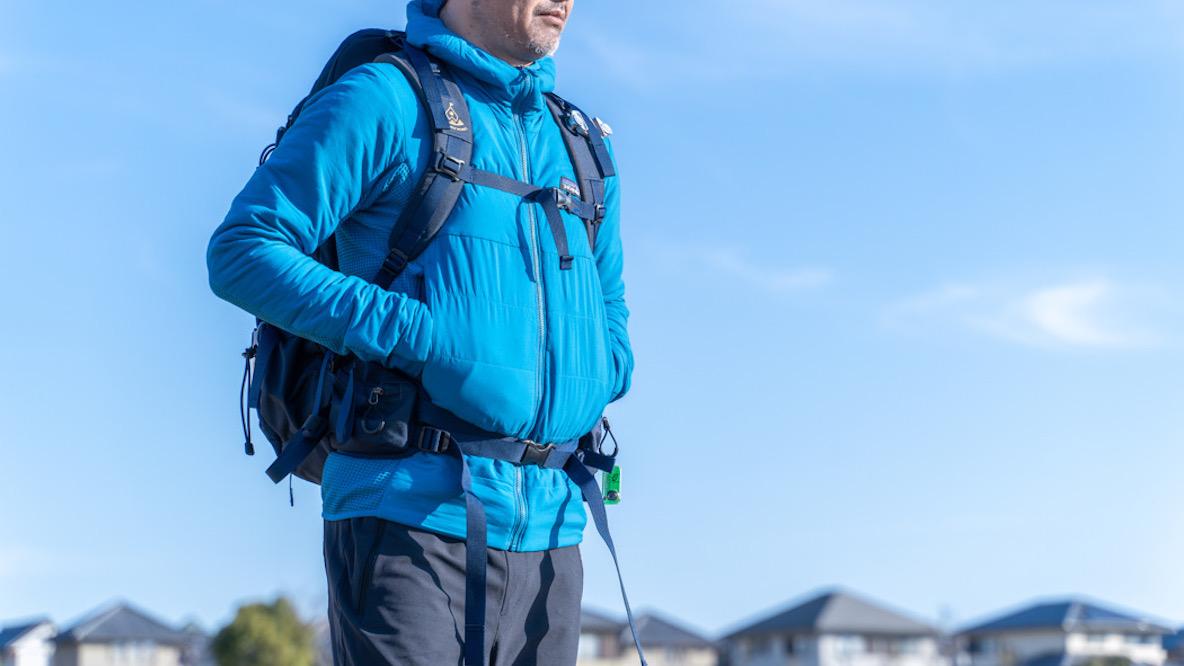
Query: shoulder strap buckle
{"points": [[450, 166]]}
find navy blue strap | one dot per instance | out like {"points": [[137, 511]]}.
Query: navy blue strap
{"points": [[510, 449], [476, 561], [452, 150], [267, 337], [295, 450], [595, 499], [550, 201], [578, 139]]}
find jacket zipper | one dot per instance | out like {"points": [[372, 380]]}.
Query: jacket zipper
{"points": [[519, 530]]}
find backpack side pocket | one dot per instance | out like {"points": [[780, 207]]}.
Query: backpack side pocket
{"points": [[371, 410]]}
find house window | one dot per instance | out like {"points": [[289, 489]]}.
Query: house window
{"points": [[1095, 639], [980, 646], [760, 645], [790, 648], [1138, 639], [850, 644]]}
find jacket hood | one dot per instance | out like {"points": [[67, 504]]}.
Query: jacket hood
{"points": [[503, 80]]}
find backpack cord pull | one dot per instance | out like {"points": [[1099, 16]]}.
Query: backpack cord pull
{"points": [[244, 406]]}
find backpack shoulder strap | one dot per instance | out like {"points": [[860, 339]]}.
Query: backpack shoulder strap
{"points": [[589, 156], [452, 150]]}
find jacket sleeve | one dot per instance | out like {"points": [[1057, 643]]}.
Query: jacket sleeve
{"points": [[344, 150], [610, 263]]}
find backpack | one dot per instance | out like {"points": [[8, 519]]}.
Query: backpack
{"points": [[297, 386], [311, 401]]}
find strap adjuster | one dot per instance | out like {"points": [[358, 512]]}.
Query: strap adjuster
{"points": [[438, 441], [395, 262], [450, 166], [536, 454], [563, 199]]}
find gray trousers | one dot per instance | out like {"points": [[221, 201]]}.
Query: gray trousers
{"points": [[397, 596]]}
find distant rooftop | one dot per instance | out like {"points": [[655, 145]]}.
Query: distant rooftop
{"points": [[122, 622], [653, 629], [838, 612], [1068, 615], [595, 622], [657, 631], [13, 633]]}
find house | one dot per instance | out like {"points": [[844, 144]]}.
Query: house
{"points": [[607, 641], [836, 628], [123, 635], [1063, 633], [27, 644]]}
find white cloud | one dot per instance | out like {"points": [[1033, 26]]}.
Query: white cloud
{"points": [[1090, 313]]}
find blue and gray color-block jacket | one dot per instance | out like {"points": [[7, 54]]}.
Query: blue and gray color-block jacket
{"points": [[497, 333]]}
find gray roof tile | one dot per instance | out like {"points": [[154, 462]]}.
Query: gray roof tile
{"points": [[1067, 615], [121, 622], [838, 612]]}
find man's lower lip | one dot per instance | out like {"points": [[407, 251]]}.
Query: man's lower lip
{"points": [[559, 21]]}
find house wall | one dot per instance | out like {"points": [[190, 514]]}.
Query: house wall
{"points": [[33, 649], [66, 655], [1133, 646], [1012, 648], [656, 656], [773, 650], [836, 650], [117, 654], [857, 650]]}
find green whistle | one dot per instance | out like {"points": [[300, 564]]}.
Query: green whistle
{"points": [[612, 486]]}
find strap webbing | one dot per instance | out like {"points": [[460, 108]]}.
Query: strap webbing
{"points": [[595, 499], [439, 190]]}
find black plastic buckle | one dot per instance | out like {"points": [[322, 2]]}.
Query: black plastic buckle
{"points": [[440, 440], [450, 166], [536, 454], [598, 212]]}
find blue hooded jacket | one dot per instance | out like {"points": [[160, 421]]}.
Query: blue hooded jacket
{"points": [[497, 333]]}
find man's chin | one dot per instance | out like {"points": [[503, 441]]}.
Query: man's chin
{"points": [[546, 46]]}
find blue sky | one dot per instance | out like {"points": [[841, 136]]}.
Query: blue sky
{"points": [[905, 280]]}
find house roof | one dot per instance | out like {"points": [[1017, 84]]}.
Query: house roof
{"points": [[838, 612], [657, 631], [121, 622], [1067, 615], [13, 633], [595, 622]]}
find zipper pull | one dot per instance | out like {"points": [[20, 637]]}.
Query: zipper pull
{"points": [[375, 394]]}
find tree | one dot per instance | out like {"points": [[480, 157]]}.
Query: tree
{"points": [[265, 635]]}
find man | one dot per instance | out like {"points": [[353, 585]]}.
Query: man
{"points": [[500, 332]]}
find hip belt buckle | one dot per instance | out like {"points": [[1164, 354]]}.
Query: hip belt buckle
{"points": [[536, 454]]}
